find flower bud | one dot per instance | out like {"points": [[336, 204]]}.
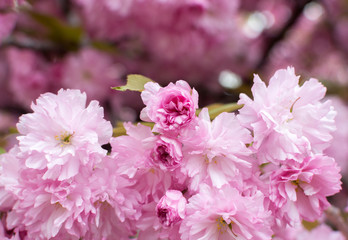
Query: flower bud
{"points": [[171, 208], [171, 108], [167, 153]]}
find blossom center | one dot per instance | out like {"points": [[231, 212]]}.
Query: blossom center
{"points": [[210, 160], [64, 138], [178, 106], [222, 226], [297, 184], [162, 215], [163, 155]]}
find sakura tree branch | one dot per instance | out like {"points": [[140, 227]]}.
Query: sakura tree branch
{"points": [[274, 39], [333, 214], [31, 44]]}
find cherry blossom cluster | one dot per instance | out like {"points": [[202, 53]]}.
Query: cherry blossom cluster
{"points": [[253, 175]]}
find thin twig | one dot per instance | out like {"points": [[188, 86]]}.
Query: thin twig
{"points": [[31, 44], [274, 39], [333, 214]]}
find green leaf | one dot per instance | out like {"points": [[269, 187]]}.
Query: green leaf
{"points": [[2, 150], [59, 32], [119, 130], [135, 82], [218, 108]]}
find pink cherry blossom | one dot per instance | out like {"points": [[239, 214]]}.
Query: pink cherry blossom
{"points": [[171, 108], [167, 153], [215, 152], [87, 204], [171, 208], [162, 220], [133, 156], [49, 209], [62, 133], [225, 214], [305, 186], [118, 204], [286, 119], [150, 226]]}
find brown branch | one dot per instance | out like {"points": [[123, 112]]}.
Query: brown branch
{"points": [[274, 39], [31, 44], [334, 216]]}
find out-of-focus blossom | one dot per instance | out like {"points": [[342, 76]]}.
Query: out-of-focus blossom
{"points": [[8, 17], [7, 120], [204, 35], [7, 23], [29, 75], [309, 40], [338, 148], [92, 72]]}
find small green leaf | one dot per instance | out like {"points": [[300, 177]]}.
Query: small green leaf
{"points": [[119, 130], [59, 32], [218, 108], [135, 82]]}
